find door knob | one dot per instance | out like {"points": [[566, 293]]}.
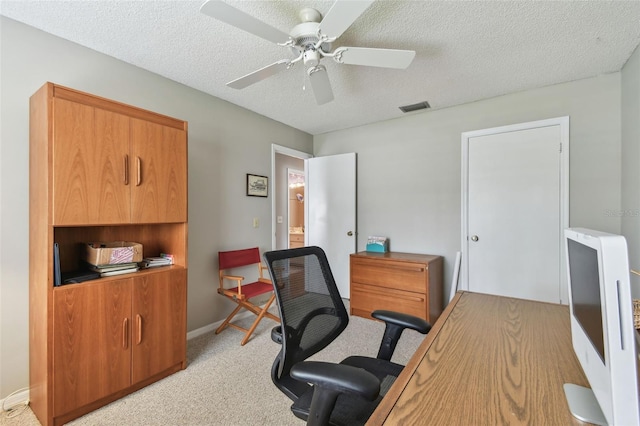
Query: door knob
{"points": [[474, 238], [350, 233]]}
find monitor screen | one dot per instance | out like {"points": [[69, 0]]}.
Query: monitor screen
{"points": [[585, 292]]}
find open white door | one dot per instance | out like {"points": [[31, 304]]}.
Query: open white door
{"points": [[330, 210]]}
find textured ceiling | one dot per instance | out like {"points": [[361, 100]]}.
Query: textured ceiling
{"points": [[465, 50]]}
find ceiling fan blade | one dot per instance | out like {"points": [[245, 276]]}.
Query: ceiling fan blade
{"points": [[320, 84], [259, 75], [341, 15], [386, 58], [232, 16]]}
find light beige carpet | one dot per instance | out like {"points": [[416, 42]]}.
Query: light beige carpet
{"points": [[228, 384]]}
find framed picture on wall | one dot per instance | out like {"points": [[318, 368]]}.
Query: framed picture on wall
{"points": [[257, 186]]}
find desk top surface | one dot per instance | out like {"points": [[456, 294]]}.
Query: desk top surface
{"points": [[488, 360]]}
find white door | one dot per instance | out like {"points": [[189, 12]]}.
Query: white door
{"points": [[330, 208], [515, 210]]}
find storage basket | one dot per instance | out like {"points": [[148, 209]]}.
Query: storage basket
{"points": [[636, 313]]}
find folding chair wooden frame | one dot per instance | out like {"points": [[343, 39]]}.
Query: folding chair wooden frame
{"points": [[241, 293]]}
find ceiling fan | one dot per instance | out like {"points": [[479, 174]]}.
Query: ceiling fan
{"points": [[310, 41]]}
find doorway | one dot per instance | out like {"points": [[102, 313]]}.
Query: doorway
{"points": [[282, 159], [295, 229], [515, 208]]}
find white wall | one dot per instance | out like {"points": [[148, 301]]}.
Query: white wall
{"points": [[630, 211], [409, 169], [225, 143]]}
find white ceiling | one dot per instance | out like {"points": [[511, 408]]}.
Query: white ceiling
{"points": [[465, 50]]}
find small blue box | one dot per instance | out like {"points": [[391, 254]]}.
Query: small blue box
{"points": [[378, 244]]}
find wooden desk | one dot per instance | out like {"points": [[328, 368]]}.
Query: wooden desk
{"points": [[488, 360]]}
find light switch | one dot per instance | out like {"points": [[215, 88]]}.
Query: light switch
{"points": [[279, 219], [256, 222]]}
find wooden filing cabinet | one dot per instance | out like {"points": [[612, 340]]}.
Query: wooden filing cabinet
{"points": [[402, 282]]}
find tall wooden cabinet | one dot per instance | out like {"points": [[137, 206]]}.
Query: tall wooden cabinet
{"points": [[103, 171]]}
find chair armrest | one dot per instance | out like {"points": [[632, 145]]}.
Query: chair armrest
{"points": [[396, 322], [330, 380], [276, 334], [403, 320], [233, 277]]}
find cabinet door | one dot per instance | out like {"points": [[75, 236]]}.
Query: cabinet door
{"points": [[90, 165], [91, 343], [159, 193], [159, 322]]}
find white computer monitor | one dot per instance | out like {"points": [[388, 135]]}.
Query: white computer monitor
{"points": [[602, 331]]}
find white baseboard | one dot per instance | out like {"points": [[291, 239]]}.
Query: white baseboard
{"points": [[210, 327], [15, 399]]}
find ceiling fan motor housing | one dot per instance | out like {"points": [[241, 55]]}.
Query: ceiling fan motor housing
{"points": [[306, 36]]}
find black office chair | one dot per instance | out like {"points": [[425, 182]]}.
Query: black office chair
{"points": [[312, 315]]}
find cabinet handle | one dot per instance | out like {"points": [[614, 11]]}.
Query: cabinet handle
{"points": [[125, 333], [126, 170], [139, 164], [139, 322]]}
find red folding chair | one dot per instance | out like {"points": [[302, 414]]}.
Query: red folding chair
{"points": [[240, 293]]}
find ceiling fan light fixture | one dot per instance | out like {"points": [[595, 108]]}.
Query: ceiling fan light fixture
{"points": [[415, 107], [310, 41]]}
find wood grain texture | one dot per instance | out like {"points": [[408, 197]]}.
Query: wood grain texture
{"points": [[80, 178], [89, 150], [402, 282], [161, 195], [493, 360], [159, 301], [89, 357], [110, 105], [40, 254]]}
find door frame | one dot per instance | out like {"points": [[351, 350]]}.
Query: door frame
{"points": [[283, 150], [563, 122]]}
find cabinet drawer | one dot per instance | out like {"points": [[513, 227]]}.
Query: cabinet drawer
{"points": [[366, 299], [390, 274]]}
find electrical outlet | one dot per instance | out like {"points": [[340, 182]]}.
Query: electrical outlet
{"points": [[256, 222]]}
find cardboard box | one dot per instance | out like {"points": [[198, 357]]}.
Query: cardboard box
{"points": [[113, 253]]}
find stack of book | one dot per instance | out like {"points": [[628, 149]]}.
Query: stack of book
{"points": [[153, 262], [114, 269]]}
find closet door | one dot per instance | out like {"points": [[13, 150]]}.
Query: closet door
{"points": [[90, 165], [159, 191], [91, 342]]}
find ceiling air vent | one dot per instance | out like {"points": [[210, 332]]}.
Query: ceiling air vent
{"points": [[415, 107]]}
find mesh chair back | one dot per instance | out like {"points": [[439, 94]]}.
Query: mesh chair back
{"points": [[312, 313]]}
